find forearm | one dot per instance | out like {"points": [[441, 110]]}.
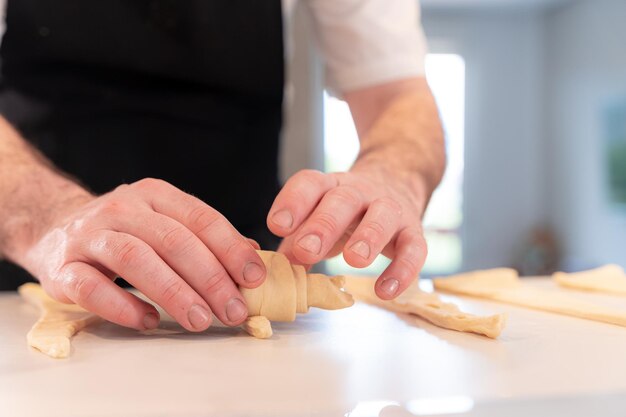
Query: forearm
{"points": [[401, 134], [32, 193]]}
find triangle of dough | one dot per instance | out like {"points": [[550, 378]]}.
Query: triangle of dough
{"points": [[609, 278]]}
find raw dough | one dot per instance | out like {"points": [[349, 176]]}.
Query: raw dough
{"points": [[504, 285], [429, 307], [258, 326], [51, 334], [288, 290], [609, 279]]}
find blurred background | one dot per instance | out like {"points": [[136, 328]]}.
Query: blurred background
{"points": [[532, 94]]}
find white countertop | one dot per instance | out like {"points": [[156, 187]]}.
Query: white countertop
{"points": [[328, 363]]}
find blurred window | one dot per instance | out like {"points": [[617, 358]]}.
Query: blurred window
{"points": [[443, 219]]}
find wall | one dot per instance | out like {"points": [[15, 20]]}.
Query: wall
{"points": [[302, 142], [504, 162], [3, 5], [586, 68]]}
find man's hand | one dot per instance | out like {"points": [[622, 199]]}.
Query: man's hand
{"points": [[377, 206], [179, 252], [361, 213]]}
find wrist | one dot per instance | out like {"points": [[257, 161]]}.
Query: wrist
{"points": [[412, 182], [406, 142], [40, 200]]}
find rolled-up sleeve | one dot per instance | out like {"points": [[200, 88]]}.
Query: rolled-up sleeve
{"points": [[368, 42]]}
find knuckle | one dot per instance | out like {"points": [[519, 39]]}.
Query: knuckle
{"points": [[409, 264], [170, 291], [414, 254], [176, 240], [111, 208], [326, 222], [120, 188], [373, 229], [125, 314], [389, 204], [149, 183], [129, 253], [55, 288], [216, 280], [81, 288], [77, 227], [103, 245], [308, 179], [235, 247], [311, 175], [296, 194], [346, 195], [202, 218]]}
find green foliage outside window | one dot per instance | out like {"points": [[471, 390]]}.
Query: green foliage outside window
{"points": [[616, 152]]}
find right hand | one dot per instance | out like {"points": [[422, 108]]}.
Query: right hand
{"points": [[175, 249]]}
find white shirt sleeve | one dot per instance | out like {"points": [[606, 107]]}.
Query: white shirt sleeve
{"points": [[368, 42]]}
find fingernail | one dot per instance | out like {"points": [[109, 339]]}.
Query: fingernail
{"points": [[362, 249], [390, 286], [198, 316], [283, 219], [252, 272], [311, 244], [236, 310], [150, 321]]}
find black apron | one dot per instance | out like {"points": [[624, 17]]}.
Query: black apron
{"points": [[189, 91]]}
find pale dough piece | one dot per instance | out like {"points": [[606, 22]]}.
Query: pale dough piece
{"points": [[258, 326], [504, 285], [276, 298], [429, 307], [608, 278], [58, 322], [288, 290], [325, 292]]}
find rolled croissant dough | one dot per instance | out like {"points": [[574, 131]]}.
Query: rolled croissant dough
{"points": [[504, 285], [609, 278], [429, 307], [289, 290]]}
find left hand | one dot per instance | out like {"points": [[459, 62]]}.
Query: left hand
{"points": [[361, 213]]}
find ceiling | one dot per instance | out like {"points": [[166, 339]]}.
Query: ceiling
{"points": [[491, 4]]}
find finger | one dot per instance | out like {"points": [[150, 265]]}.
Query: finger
{"points": [[297, 199], [254, 243], [89, 288], [187, 255], [327, 224], [377, 228], [410, 254], [139, 264], [234, 251], [285, 248]]}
